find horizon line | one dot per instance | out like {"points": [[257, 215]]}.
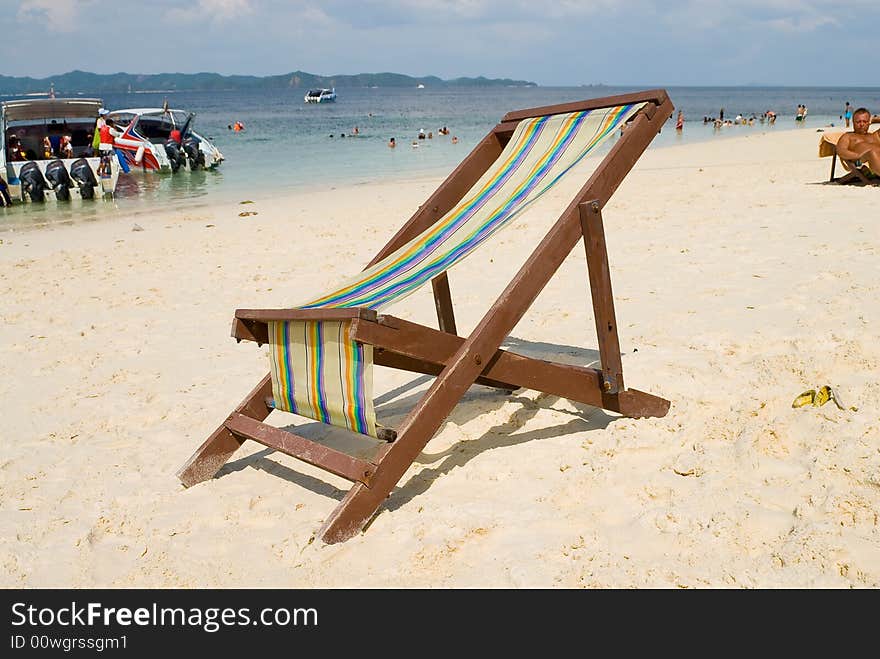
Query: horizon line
{"points": [[529, 82]]}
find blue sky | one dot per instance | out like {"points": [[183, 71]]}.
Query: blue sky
{"points": [[561, 42]]}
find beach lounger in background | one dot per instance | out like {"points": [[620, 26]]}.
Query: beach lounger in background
{"points": [[856, 173], [322, 351]]}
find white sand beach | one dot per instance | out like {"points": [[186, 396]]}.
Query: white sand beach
{"points": [[739, 282]]}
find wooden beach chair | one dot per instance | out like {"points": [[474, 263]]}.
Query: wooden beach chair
{"points": [[855, 173], [322, 351]]}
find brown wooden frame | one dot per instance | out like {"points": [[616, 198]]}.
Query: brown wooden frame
{"points": [[458, 362]]}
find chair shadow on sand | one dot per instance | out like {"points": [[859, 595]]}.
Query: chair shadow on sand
{"points": [[392, 406]]}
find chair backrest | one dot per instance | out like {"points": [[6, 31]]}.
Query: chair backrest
{"points": [[318, 372], [540, 153], [828, 143]]}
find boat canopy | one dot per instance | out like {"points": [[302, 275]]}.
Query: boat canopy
{"points": [[176, 116], [51, 108], [154, 123]]}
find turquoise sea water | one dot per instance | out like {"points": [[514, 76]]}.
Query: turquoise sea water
{"points": [[287, 145]]}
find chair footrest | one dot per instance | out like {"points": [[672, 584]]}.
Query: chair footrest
{"points": [[336, 462]]}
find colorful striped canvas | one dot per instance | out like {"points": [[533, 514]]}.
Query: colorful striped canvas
{"points": [[310, 373], [319, 373]]}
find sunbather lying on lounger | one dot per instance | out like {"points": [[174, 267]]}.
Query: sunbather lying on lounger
{"points": [[860, 145]]}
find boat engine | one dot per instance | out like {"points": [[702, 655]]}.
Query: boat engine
{"points": [[82, 174], [59, 179], [32, 182], [175, 155], [194, 153]]}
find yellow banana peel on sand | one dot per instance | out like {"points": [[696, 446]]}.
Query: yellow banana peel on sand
{"points": [[822, 396], [818, 398], [805, 398]]}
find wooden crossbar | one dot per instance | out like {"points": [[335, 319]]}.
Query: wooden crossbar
{"points": [[304, 449], [409, 346], [577, 383]]}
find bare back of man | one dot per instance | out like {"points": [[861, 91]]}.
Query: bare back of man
{"points": [[860, 144]]}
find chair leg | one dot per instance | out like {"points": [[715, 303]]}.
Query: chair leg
{"points": [[603, 301], [443, 302], [220, 446], [361, 503], [353, 513]]}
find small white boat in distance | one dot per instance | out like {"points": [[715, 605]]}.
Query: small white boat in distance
{"points": [[320, 95], [46, 150]]}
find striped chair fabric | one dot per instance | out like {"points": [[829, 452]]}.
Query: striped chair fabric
{"points": [[318, 372]]}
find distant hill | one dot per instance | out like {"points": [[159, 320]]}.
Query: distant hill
{"points": [[84, 82]]}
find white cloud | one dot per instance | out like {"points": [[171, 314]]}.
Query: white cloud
{"points": [[800, 23], [553, 43], [217, 11], [430, 12], [775, 15], [57, 16], [460, 8]]}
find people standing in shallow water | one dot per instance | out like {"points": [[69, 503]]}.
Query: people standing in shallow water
{"points": [[392, 143], [107, 134], [679, 122]]}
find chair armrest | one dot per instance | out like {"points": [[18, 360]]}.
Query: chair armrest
{"points": [[252, 324]]}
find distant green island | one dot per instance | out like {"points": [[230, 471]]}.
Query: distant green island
{"points": [[83, 81]]}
